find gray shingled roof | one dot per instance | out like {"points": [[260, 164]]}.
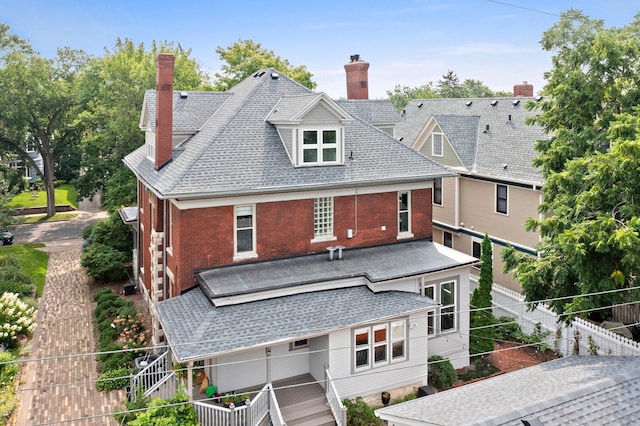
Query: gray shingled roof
{"points": [[462, 134], [577, 390], [506, 142], [374, 111], [376, 264], [237, 152], [195, 329]]}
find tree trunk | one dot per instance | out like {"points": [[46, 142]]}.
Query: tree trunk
{"points": [[48, 184]]}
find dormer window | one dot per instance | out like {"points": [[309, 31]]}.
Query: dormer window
{"points": [[320, 146]]}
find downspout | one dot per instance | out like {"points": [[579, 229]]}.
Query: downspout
{"points": [[164, 252]]}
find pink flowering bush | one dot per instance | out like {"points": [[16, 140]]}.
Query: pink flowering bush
{"points": [[17, 319]]}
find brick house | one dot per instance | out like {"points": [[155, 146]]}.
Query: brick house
{"points": [[282, 234]]}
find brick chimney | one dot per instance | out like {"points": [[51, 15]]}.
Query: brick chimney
{"points": [[164, 109], [357, 78], [523, 89]]}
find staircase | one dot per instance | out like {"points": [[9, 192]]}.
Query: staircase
{"points": [[314, 412]]}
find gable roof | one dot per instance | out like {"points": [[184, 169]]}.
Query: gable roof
{"points": [[573, 390], [495, 141], [195, 329], [237, 152]]}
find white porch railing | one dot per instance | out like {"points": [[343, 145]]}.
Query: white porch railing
{"points": [[338, 410], [152, 374], [215, 415], [579, 338], [274, 409], [166, 388]]}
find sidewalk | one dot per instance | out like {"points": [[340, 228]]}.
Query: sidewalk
{"points": [[58, 383]]}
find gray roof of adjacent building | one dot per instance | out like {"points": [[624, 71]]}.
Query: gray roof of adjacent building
{"points": [[576, 390], [501, 145], [235, 151]]}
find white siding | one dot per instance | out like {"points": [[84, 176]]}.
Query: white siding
{"points": [[319, 356], [286, 363], [241, 370]]}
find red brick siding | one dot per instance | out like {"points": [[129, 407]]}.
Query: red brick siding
{"points": [[285, 229]]}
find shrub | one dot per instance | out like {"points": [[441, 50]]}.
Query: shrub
{"points": [[113, 232], [173, 411], [16, 319], [104, 262], [103, 292], [114, 379], [140, 401], [359, 413], [441, 373], [23, 290], [14, 273]]}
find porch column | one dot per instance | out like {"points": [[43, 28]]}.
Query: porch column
{"points": [[190, 379], [268, 355]]}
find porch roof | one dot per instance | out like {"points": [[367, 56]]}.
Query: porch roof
{"points": [[375, 264], [195, 329]]}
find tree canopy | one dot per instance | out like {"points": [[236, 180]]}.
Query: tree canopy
{"points": [[111, 94], [39, 106], [590, 225], [448, 87], [245, 57]]}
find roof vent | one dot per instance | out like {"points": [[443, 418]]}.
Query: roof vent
{"points": [[401, 139], [275, 76], [184, 95], [420, 105], [468, 103], [538, 98], [494, 102], [509, 120], [486, 129], [259, 74], [516, 102]]}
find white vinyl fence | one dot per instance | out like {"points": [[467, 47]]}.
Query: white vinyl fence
{"points": [[579, 338]]}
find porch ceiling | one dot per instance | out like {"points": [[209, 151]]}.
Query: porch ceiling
{"points": [[195, 329], [375, 264]]}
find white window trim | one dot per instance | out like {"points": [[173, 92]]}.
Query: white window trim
{"points": [[437, 316], [433, 144], [388, 343], [408, 233], [433, 197], [479, 241], [338, 145], [245, 254], [326, 237], [495, 198]]}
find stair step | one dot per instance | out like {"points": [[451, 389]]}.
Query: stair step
{"points": [[314, 412], [316, 402], [325, 420]]}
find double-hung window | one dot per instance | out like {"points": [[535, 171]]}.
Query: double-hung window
{"points": [[245, 236], [437, 191], [404, 214], [444, 319], [323, 218], [320, 146], [380, 344], [436, 144], [501, 199]]}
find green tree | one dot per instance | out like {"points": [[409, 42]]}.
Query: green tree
{"points": [[112, 92], [482, 333], [245, 57], [591, 225], [401, 95], [40, 108], [449, 86]]}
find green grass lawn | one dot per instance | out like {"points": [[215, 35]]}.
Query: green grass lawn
{"points": [[65, 194], [34, 262], [44, 218]]}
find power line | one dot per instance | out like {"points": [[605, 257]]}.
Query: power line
{"points": [[524, 8]]}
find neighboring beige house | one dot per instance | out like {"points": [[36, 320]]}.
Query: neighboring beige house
{"points": [[488, 144]]}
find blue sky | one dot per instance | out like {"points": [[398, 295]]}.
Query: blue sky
{"points": [[410, 42]]}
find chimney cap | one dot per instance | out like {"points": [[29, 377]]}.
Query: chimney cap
{"points": [[355, 57]]}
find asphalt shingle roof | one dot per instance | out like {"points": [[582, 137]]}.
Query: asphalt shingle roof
{"points": [[576, 390], [374, 111], [376, 264], [237, 137], [195, 329], [509, 142]]}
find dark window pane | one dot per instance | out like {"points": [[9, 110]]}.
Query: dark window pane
{"points": [[362, 357], [403, 226], [310, 156], [328, 136], [329, 154], [244, 221], [448, 239], [447, 319], [447, 294], [380, 353], [403, 201], [437, 192], [477, 249], [310, 137], [397, 350], [245, 240]]}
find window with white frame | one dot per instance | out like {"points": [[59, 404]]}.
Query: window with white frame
{"points": [[404, 213], [444, 319], [476, 248], [245, 235], [320, 146], [323, 218], [447, 239], [437, 191], [501, 199], [380, 344], [436, 144]]}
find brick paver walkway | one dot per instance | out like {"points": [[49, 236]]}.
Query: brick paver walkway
{"points": [[507, 358], [59, 387]]}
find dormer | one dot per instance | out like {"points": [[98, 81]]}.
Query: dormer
{"points": [[312, 129]]}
